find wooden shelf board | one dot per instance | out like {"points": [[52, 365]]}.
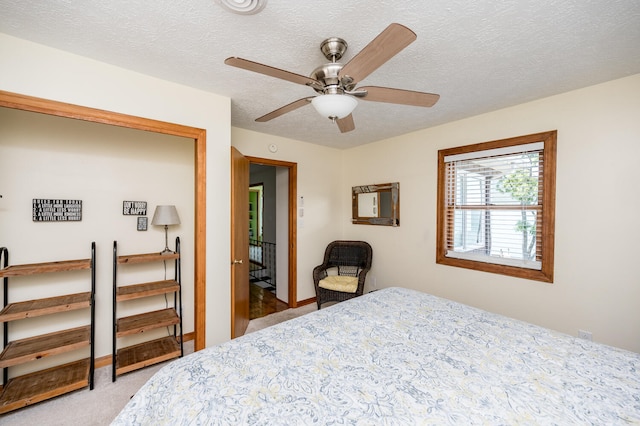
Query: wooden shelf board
{"points": [[147, 321], [148, 353], [136, 291], [32, 348], [41, 268], [41, 385], [50, 305], [146, 257]]}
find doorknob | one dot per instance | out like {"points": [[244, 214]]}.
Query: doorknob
{"points": [[236, 261]]}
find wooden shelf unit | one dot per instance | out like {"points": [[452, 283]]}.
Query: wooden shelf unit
{"points": [[42, 385], [38, 386], [49, 305], [148, 353], [130, 358], [36, 347]]}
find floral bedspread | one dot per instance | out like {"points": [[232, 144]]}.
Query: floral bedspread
{"points": [[395, 357]]}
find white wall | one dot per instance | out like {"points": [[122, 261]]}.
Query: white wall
{"points": [[35, 70], [319, 175], [596, 284]]}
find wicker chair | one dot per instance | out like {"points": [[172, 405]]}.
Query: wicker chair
{"points": [[342, 258]]}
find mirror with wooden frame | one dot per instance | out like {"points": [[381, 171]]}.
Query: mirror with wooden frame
{"points": [[376, 204]]}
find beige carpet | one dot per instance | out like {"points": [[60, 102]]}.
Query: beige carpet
{"points": [[102, 404]]}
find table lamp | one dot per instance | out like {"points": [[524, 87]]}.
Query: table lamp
{"points": [[166, 215]]}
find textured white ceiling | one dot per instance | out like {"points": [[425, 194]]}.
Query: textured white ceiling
{"points": [[478, 55]]}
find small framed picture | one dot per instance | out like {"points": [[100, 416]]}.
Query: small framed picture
{"points": [[142, 223]]}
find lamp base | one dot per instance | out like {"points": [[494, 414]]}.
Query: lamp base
{"points": [[166, 250]]}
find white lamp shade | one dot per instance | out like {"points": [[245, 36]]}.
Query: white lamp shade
{"points": [[334, 106], [165, 215]]}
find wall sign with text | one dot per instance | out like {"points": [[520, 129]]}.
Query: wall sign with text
{"points": [[134, 208], [142, 223], [52, 210]]}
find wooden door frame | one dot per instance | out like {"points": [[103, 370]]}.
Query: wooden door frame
{"points": [[61, 109], [293, 222]]}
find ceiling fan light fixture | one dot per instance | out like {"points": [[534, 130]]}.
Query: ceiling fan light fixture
{"points": [[334, 106]]}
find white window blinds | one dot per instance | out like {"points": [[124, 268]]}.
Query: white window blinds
{"points": [[493, 205]]}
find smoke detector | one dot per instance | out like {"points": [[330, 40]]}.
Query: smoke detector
{"points": [[243, 7]]}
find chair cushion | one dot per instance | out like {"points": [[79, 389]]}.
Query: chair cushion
{"points": [[342, 283]]}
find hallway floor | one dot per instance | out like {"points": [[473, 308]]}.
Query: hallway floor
{"points": [[263, 302]]}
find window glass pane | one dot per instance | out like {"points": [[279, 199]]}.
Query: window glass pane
{"points": [[494, 182], [470, 233], [513, 234]]}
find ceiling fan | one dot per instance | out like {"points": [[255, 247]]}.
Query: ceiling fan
{"points": [[336, 82]]}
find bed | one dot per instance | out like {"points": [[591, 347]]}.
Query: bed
{"points": [[395, 357]]}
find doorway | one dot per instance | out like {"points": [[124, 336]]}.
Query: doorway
{"points": [[268, 203], [287, 181], [286, 240]]}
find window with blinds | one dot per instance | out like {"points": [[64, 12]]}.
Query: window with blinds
{"points": [[496, 206]]}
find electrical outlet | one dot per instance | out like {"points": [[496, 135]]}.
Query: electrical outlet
{"points": [[586, 335]]}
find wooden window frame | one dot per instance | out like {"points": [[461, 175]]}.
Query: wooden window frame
{"points": [[545, 253]]}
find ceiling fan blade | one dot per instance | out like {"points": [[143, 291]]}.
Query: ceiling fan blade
{"points": [[346, 124], [285, 109], [399, 96], [271, 71], [382, 48]]}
